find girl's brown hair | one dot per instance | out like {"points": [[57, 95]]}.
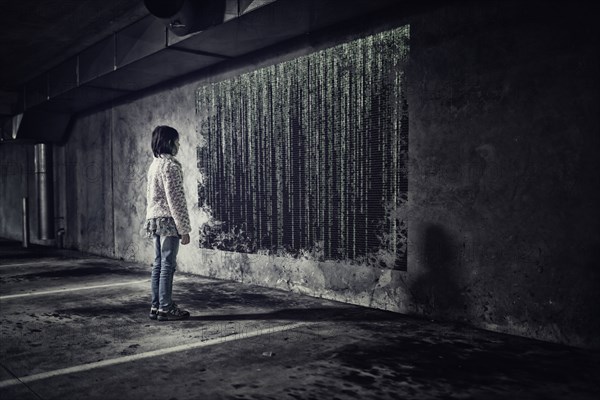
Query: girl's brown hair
{"points": [[163, 140]]}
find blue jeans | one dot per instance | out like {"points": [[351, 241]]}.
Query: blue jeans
{"points": [[163, 269]]}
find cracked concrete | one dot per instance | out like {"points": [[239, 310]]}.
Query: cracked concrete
{"points": [[251, 343]]}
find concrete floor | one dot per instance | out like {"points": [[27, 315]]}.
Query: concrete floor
{"points": [[75, 326]]}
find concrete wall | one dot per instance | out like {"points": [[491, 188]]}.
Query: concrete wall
{"points": [[14, 174], [504, 177], [503, 180], [18, 180]]}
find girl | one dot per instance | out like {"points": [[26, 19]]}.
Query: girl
{"points": [[167, 220]]}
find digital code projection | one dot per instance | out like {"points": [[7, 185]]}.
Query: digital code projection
{"points": [[308, 158]]}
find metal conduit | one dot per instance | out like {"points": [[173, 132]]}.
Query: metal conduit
{"points": [[25, 222], [45, 193]]}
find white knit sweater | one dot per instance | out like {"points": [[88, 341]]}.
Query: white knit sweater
{"points": [[165, 194]]}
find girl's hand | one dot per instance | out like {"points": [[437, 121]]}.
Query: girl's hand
{"points": [[185, 239]]}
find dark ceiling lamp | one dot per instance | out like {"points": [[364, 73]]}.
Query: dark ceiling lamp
{"points": [[183, 17]]}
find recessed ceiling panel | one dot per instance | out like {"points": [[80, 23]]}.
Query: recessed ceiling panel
{"points": [[139, 40], [36, 91], [155, 69], [81, 98], [97, 60], [62, 78]]}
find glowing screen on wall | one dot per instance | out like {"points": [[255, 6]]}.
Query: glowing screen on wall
{"points": [[308, 158]]}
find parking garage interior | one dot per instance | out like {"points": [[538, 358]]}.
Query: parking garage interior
{"points": [[388, 199]]}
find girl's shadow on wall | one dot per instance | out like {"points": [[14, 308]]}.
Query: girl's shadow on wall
{"points": [[436, 291]]}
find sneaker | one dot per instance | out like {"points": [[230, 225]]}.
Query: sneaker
{"points": [[172, 314], [153, 312]]}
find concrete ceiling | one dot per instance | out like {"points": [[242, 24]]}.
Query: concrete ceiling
{"points": [[62, 57], [36, 35]]}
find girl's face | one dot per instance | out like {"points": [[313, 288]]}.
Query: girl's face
{"points": [[176, 147]]}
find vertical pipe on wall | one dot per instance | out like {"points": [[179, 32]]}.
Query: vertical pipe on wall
{"points": [[44, 184], [25, 223]]}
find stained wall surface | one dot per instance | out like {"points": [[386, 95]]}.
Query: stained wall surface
{"points": [[14, 174], [503, 182], [18, 182]]}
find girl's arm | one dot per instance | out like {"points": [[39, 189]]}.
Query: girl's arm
{"points": [[176, 197]]}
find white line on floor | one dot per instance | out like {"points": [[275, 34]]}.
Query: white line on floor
{"points": [[31, 263], [148, 354], [45, 262], [58, 291]]}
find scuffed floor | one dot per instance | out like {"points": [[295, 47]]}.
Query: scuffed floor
{"points": [[75, 326]]}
